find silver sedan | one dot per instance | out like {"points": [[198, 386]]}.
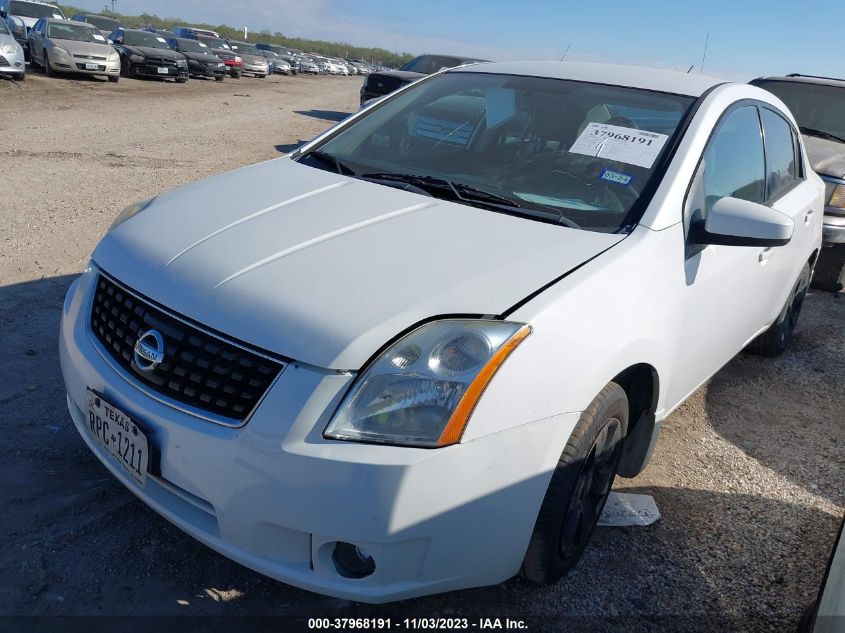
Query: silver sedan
{"points": [[11, 55], [72, 47]]}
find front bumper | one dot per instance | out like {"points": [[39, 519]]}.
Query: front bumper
{"points": [[256, 69], [12, 63], [276, 496], [200, 69], [76, 65], [147, 69], [833, 226]]}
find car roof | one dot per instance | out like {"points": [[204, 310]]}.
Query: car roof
{"points": [[60, 21], [805, 79], [611, 74]]}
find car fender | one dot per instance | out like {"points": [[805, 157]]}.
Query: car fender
{"points": [[585, 333]]}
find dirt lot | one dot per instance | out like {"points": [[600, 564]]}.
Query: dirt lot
{"points": [[748, 474]]}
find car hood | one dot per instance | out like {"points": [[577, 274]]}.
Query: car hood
{"points": [[26, 21], [251, 59], [84, 48], [404, 75], [325, 269], [149, 51], [201, 57], [826, 157]]}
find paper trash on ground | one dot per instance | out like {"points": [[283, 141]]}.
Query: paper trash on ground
{"points": [[626, 510]]}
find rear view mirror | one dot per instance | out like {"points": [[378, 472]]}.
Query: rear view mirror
{"points": [[735, 222]]}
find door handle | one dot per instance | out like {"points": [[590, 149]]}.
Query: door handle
{"points": [[765, 254], [808, 216]]}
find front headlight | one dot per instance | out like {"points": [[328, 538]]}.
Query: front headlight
{"points": [[137, 58], [114, 56], [182, 62], [422, 390], [130, 211], [59, 50], [238, 59], [9, 48]]}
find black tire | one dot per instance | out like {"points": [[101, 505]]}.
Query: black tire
{"points": [[777, 338], [125, 68], [578, 489], [47, 69], [830, 269], [236, 74], [218, 78], [181, 80], [114, 78]]}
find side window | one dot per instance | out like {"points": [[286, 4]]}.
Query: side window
{"points": [[781, 163], [37, 27], [733, 165]]}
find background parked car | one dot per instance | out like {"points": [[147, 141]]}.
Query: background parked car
{"points": [[254, 63], [818, 104], [102, 22], [278, 65], [220, 47], [384, 82], [12, 61], [308, 66], [21, 15], [190, 31], [145, 54], [72, 47], [201, 61]]}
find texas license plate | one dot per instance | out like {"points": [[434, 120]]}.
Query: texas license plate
{"points": [[90, 66], [115, 432], [163, 71]]}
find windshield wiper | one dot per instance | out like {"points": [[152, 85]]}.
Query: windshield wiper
{"points": [[821, 134], [325, 157], [473, 196]]}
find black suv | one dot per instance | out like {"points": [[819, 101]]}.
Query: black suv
{"points": [[382, 83], [818, 105]]}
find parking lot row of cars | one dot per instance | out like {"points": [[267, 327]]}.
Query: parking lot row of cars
{"points": [[94, 44]]}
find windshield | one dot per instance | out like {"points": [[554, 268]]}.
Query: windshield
{"points": [[74, 32], [192, 46], [814, 106], [576, 152], [103, 23], [245, 49], [431, 63], [142, 38], [213, 42], [32, 10]]}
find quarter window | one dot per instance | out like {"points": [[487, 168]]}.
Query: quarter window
{"points": [[781, 163]]}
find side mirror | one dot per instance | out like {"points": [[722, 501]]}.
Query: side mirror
{"points": [[735, 222]]}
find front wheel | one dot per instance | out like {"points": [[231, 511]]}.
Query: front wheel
{"points": [[48, 70], [20, 77], [114, 78], [579, 488], [218, 78], [775, 340], [181, 80]]}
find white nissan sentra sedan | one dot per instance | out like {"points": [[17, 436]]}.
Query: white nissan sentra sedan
{"points": [[412, 356]]}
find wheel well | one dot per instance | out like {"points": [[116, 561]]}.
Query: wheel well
{"points": [[641, 385], [812, 260]]}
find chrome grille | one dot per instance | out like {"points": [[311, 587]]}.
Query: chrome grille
{"points": [[200, 369]]}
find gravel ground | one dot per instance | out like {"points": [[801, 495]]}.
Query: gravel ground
{"points": [[748, 474]]}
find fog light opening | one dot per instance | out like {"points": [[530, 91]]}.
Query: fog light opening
{"points": [[352, 561]]}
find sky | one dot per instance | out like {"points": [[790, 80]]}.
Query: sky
{"points": [[747, 38]]}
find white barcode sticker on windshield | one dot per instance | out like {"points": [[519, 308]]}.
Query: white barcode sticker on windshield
{"points": [[623, 144], [98, 37], [162, 40]]}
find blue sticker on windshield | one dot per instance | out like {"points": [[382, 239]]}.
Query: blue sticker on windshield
{"points": [[616, 177]]}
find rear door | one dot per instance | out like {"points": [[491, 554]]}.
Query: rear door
{"points": [[788, 191]]}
